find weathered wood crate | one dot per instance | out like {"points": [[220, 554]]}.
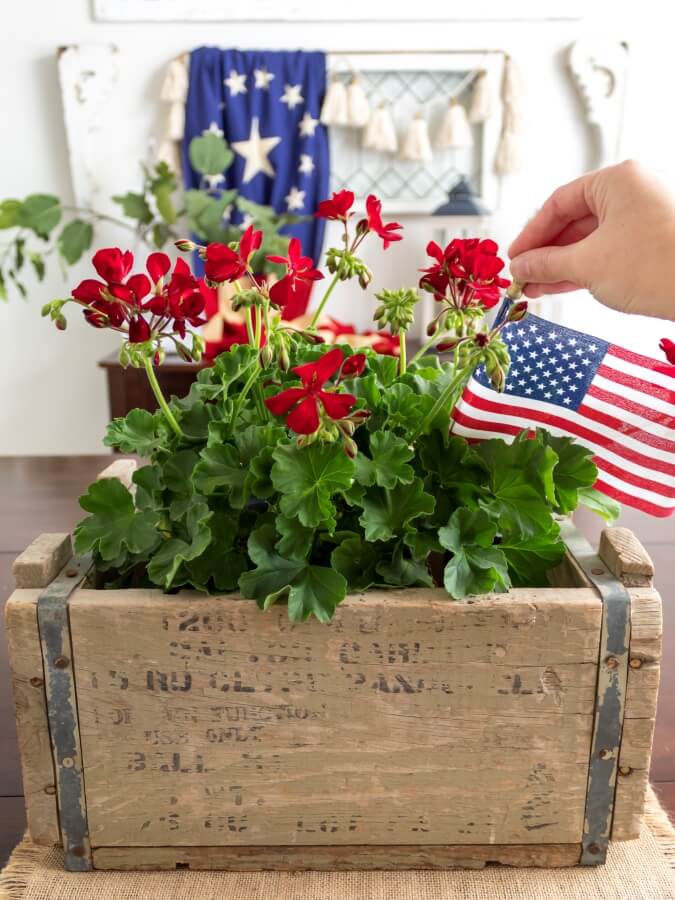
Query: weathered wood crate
{"points": [[411, 732]]}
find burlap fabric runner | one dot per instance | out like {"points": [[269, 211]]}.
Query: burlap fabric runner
{"points": [[636, 870]]}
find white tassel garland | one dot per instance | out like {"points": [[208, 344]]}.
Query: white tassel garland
{"points": [[334, 109], [482, 100], [380, 133], [358, 108], [455, 131], [510, 156], [416, 144]]}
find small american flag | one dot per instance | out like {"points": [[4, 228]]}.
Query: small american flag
{"points": [[619, 404]]}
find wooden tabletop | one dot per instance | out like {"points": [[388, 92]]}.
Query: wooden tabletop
{"points": [[39, 493]]}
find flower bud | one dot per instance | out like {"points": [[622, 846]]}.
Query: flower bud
{"points": [[498, 378], [350, 447], [517, 312], [158, 358], [432, 328], [60, 322], [183, 352], [185, 245], [46, 309], [124, 356], [266, 356]]}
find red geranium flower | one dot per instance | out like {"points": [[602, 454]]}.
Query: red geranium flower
{"points": [[374, 222], [668, 348], [353, 365], [113, 265], [306, 401], [466, 271], [337, 207], [157, 264], [224, 264], [299, 268]]}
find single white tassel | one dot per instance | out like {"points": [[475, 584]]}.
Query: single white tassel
{"points": [[358, 108], [174, 92], [510, 156], [174, 127], [334, 109], [380, 133], [482, 99], [168, 152], [416, 144], [455, 131]]}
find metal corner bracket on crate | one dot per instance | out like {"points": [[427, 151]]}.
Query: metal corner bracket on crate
{"points": [[54, 627], [57, 658], [610, 696]]}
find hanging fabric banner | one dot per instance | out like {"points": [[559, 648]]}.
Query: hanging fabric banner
{"points": [[267, 105]]}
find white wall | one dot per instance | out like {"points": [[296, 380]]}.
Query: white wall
{"points": [[52, 396]]}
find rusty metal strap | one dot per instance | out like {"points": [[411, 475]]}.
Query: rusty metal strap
{"points": [[54, 626], [610, 697]]}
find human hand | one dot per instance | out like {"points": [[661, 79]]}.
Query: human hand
{"points": [[612, 232]]}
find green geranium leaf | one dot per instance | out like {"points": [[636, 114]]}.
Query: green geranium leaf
{"points": [[221, 467], [308, 479], [135, 206], [309, 589], [574, 471], [114, 526], [296, 540], [405, 408], [456, 465], [164, 566], [386, 513], [209, 154], [476, 566], [220, 563], [422, 543], [254, 438], [384, 368], [356, 560], [41, 213], [389, 463], [137, 432], [162, 188], [75, 240], [149, 487], [402, 571], [529, 559], [9, 213], [600, 503], [521, 487]]}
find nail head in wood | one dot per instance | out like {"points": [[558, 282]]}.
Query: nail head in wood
{"points": [[635, 662], [625, 770], [61, 662], [36, 682], [611, 662], [50, 789]]}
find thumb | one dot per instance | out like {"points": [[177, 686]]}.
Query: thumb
{"points": [[547, 265]]}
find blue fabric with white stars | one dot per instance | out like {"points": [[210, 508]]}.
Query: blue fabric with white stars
{"points": [[549, 363], [231, 92]]}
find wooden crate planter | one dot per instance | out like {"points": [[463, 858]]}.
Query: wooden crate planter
{"points": [[411, 732]]}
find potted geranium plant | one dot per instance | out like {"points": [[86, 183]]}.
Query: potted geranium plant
{"points": [[298, 472]]}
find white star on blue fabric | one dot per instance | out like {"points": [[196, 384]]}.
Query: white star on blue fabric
{"points": [[263, 78], [214, 129], [307, 125], [306, 164], [295, 199], [236, 83], [292, 95], [256, 151]]}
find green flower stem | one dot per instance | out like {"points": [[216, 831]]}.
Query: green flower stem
{"points": [[252, 379], [458, 381], [324, 300], [402, 353], [157, 391], [423, 349], [249, 320]]}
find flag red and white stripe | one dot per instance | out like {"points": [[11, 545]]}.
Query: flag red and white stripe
{"points": [[625, 415]]}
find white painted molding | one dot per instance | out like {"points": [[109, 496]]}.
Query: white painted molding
{"points": [[346, 10], [599, 67], [88, 74]]}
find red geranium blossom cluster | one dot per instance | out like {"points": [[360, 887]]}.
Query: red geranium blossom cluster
{"points": [[307, 402], [465, 273], [338, 208], [141, 305]]}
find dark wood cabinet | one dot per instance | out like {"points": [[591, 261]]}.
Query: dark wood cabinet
{"points": [[129, 389]]}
